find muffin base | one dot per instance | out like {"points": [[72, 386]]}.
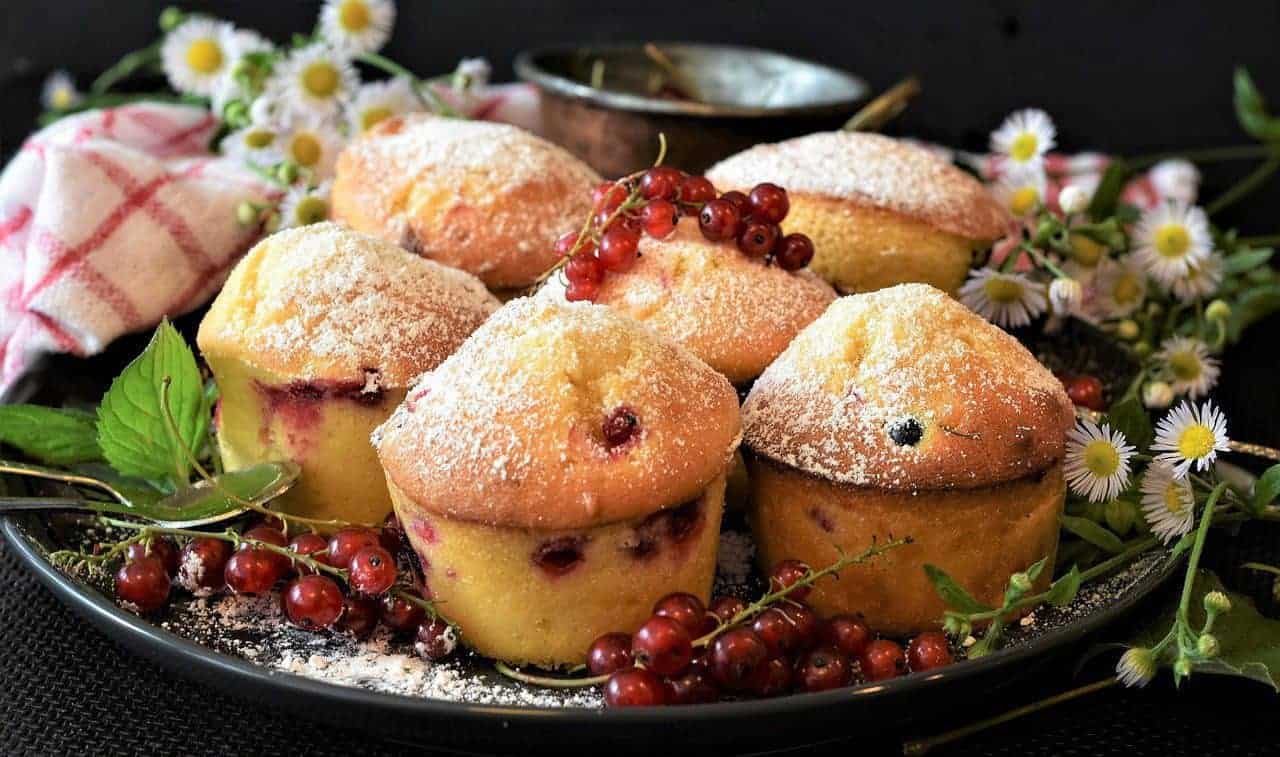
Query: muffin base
{"points": [[542, 597], [978, 536]]}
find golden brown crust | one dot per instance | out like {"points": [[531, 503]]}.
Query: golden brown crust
{"points": [[986, 410], [871, 170], [322, 302], [487, 198], [735, 313], [508, 431]]}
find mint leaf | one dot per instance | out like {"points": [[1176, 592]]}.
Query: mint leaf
{"points": [[1130, 418], [1092, 533], [1253, 306], [135, 438], [1246, 260], [50, 435], [1064, 590], [1266, 489], [1251, 109], [955, 595]]}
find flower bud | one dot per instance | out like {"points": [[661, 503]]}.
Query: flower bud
{"points": [[244, 70], [1142, 349], [1120, 515], [1127, 330], [1065, 294], [1218, 311], [171, 18], [1073, 200], [287, 172], [1085, 250], [246, 213], [1044, 230], [1154, 309], [1217, 602], [1137, 667], [1020, 582], [1207, 645], [236, 114], [1182, 668], [1157, 395]]}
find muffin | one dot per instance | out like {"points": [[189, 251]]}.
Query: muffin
{"points": [[558, 475], [902, 413], [313, 342], [484, 197], [880, 211], [734, 312]]}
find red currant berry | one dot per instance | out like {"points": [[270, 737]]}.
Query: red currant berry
{"points": [[201, 565], [581, 291], [848, 634], [607, 196], [401, 615], [758, 239], [313, 602], [659, 218], [143, 584], [789, 573], [565, 242], [823, 669], [663, 646], [719, 220], [312, 545], [436, 639], [253, 571], [694, 686], [347, 542], [772, 678], [777, 632], [769, 203], [618, 248], [739, 201], [372, 571], [661, 183], [726, 608], [155, 547], [1085, 391], [735, 654], [634, 687], [609, 654], [805, 621], [794, 252], [359, 616], [882, 659], [697, 190], [584, 266], [685, 609], [927, 651], [272, 536]]}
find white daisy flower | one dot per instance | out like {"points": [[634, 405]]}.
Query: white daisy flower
{"points": [[304, 205], [357, 26], [1025, 136], [197, 54], [1137, 667], [1188, 363], [1191, 435], [313, 81], [1065, 295], [1167, 502], [380, 100], [255, 144], [265, 110], [1006, 299], [313, 145], [1176, 179], [1171, 239], [1120, 287], [1097, 461], [471, 73], [1201, 281], [59, 91], [248, 41], [1021, 190], [1157, 395]]}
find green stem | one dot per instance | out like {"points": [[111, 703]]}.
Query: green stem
{"points": [[1245, 186], [1206, 155], [1264, 240], [1262, 567], [1206, 519], [126, 67]]}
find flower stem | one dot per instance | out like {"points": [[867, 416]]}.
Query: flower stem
{"points": [[424, 89], [1245, 186], [1205, 155], [1265, 240], [126, 67], [1193, 562]]}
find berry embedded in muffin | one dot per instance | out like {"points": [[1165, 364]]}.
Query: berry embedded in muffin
{"points": [[313, 341], [880, 211], [559, 474], [484, 197], [903, 413]]}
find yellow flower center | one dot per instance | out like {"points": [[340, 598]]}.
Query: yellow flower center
{"points": [[1195, 442], [1002, 291], [1127, 290], [1023, 147], [1024, 200], [1173, 501], [1172, 240], [305, 150], [353, 16], [1185, 365], [321, 79], [372, 116], [1086, 251], [258, 139], [204, 56], [1101, 458], [311, 210], [62, 98]]}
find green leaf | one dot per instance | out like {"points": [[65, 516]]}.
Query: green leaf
{"points": [[1253, 306], [1064, 590], [956, 597], [50, 435], [1130, 418], [132, 430], [1107, 195], [1034, 571], [1251, 109], [1247, 260], [1093, 533], [1267, 488]]}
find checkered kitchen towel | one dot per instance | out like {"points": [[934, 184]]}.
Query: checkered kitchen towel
{"points": [[109, 220]]}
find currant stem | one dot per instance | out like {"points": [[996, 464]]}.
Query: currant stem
{"points": [[549, 682]]}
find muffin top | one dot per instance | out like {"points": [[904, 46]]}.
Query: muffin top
{"points": [[871, 170], [559, 415], [324, 302], [906, 389], [735, 313], [485, 197]]}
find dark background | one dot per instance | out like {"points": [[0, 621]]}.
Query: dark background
{"points": [[1126, 78]]}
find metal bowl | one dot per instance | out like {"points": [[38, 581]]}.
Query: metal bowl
{"points": [[742, 96]]}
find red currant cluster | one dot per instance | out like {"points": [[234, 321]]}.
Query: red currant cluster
{"points": [[364, 559], [1084, 391], [689, 654], [652, 202]]}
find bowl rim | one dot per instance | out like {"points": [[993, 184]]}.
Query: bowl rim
{"points": [[528, 68]]}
